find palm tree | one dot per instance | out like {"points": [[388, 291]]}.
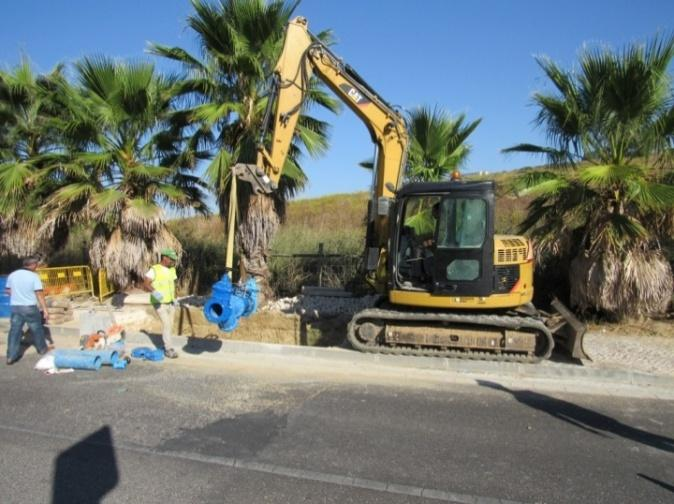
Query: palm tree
{"points": [[28, 110], [438, 144], [608, 204], [123, 165], [228, 87]]}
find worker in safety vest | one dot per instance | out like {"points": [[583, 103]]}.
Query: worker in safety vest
{"points": [[160, 281]]}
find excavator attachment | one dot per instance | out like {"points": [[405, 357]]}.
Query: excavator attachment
{"points": [[255, 176], [567, 330]]}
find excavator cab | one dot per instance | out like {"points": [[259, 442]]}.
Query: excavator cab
{"points": [[443, 237]]}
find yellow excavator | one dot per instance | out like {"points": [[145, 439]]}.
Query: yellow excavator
{"points": [[453, 287]]}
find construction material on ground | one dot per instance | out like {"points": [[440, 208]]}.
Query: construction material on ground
{"points": [[322, 305], [98, 329], [121, 363], [60, 310], [108, 357], [147, 353], [77, 360], [45, 363]]}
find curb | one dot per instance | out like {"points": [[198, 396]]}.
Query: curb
{"points": [[558, 374], [561, 373]]}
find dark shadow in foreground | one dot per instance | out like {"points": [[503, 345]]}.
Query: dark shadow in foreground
{"points": [[155, 338], [200, 345], [661, 484], [584, 418], [87, 471]]}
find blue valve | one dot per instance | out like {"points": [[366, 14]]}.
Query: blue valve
{"points": [[229, 302]]}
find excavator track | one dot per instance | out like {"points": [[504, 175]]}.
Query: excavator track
{"points": [[375, 340]]}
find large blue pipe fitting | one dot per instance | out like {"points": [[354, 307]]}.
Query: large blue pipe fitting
{"points": [[108, 357], [229, 302], [79, 360]]}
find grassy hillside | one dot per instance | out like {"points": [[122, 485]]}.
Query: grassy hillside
{"points": [[337, 221]]}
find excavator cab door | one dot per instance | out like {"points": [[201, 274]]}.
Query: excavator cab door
{"points": [[464, 244]]}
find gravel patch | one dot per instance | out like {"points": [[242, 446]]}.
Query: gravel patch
{"points": [[649, 354], [318, 307]]}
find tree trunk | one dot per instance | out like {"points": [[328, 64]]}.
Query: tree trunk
{"points": [[125, 256], [258, 225], [635, 284]]}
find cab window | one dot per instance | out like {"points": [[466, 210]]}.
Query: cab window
{"points": [[463, 223]]}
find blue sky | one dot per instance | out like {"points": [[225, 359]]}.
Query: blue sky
{"points": [[472, 57]]}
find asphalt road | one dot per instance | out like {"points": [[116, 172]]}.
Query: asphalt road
{"points": [[192, 431]]}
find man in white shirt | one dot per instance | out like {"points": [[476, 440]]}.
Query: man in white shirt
{"points": [[25, 293]]}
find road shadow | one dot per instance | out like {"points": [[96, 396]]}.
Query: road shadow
{"points": [[87, 471], [198, 346], [584, 418], [241, 436], [324, 332], [155, 338], [194, 345], [659, 483], [562, 356], [28, 339], [117, 299]]}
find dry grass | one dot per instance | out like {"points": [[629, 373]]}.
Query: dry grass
{"points": [[203, 261], [336, 221], [328, 212]]}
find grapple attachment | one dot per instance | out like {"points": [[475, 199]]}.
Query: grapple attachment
{"points": [[255, 176]]}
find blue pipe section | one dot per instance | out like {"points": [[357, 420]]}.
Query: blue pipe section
{"points": [[76, 360], [108, 357], [229, 302]]}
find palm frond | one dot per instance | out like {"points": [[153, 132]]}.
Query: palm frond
{"points": [[177, 54], [106, 199], [609, 175]]}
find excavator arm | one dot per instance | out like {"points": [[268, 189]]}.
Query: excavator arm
{"points": [[304, 55]]}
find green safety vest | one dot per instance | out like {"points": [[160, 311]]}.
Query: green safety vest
{"points": [[164, 283]]}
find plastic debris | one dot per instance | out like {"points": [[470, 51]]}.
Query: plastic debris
{"points": [[146, 353], [120, 364]]}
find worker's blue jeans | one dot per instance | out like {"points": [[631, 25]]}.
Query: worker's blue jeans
{"points": [[21, 315]]}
